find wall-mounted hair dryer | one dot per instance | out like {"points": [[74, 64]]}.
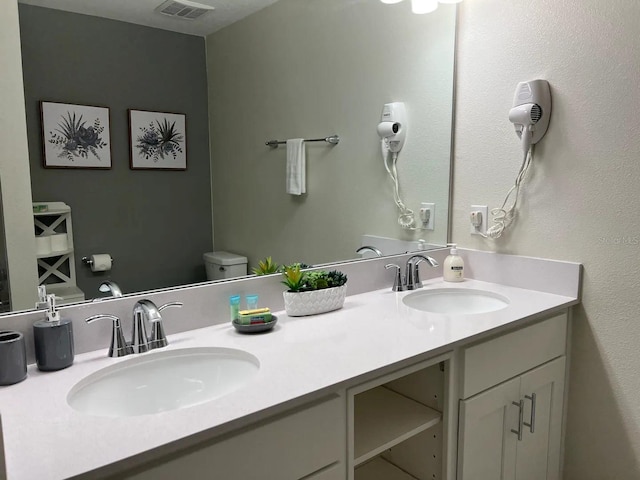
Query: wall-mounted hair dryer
{"points": [[531, 111], [393, 126], [530, 115]]}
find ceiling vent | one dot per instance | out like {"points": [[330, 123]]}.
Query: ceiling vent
{"points": [[183, 9]]}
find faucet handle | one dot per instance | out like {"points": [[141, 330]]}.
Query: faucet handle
{"points": [[170, 304], [422, 258], [398, 285], [118, 347], [158, 337]]}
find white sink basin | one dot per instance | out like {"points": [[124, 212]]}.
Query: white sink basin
{"points": [[455, 301], [162, 381]]}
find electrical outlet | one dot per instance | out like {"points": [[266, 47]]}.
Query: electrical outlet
{"points": [[484, 211], [428, 213]]}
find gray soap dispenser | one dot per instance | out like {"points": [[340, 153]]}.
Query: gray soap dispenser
{"points": [[53, 337]]}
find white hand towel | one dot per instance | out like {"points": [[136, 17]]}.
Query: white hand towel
{"points": [[296, 167]]}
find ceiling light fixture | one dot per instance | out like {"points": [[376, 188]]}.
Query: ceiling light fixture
{"points": [[424, 6]]}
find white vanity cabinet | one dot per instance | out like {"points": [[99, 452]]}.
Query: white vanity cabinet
{"points": [[395, 425], [512, 429], [307, 443]]}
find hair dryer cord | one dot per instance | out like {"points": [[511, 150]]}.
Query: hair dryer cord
{"points": [[406, 219]]}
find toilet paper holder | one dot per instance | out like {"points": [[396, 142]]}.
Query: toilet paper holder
{"points": [[89, 262]]}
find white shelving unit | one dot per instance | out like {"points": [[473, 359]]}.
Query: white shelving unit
{"points": [[56, 266], [395, 425], [384, 418]]}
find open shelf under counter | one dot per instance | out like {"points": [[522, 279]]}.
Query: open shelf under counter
{"points": [[384, 418], [380, 469]]}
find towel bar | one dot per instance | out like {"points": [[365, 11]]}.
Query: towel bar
{"points": [[333, 140]]}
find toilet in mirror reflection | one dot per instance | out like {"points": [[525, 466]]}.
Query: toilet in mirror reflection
{"points": [[223, 265]]}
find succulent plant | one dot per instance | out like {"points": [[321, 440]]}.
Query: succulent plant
{"points": [[294, 278], [316, 280], [300, 281], [266, 266], [302, 266], [336, 278]]}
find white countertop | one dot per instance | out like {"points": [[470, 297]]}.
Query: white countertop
{"points": [[304, 356]]}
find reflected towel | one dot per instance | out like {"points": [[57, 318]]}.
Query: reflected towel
{"points": [[296, 167]]}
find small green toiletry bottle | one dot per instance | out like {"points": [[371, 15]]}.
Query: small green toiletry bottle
{"points": [[234, 306]]}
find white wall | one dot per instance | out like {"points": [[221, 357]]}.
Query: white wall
{"points": [[310, 69], [582, 198], [14, 165]]}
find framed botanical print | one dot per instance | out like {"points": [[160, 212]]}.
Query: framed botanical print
{"points": [[75, 136], [158, 140]]}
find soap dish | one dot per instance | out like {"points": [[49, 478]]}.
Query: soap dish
{"points": [[256, 327]]}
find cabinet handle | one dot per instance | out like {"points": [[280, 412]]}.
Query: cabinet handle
{"points": [[532, 424], [520, 406]]}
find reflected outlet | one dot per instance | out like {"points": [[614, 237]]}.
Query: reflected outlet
{"points": [[427, 215]]}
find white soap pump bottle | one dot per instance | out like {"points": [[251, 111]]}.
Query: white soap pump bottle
{"points": [[453, 270]]}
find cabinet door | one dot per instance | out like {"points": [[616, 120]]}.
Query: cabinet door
{"points": [[487, 447], [538, 455]]}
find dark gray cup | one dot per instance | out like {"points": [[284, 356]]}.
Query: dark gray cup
{"points": [[13, 358]]}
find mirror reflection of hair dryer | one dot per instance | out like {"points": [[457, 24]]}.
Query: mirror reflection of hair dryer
{"points": [[392, 129]]}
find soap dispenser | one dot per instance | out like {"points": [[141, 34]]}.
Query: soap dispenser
{"points": [[53, 337], [453, 270]]}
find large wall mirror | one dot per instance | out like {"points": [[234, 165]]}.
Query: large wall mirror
{"points": [[295, 69]]}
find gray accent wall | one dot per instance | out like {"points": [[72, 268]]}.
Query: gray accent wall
{"points": [[155, 224]]}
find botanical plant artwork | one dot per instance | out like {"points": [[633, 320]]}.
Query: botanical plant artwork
{"points": [[158, 140], [75, 136]]}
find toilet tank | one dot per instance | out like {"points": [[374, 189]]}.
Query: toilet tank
{"points": [[221, 265]]}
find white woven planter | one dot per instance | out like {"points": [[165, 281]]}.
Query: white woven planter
{"points": [[298, 304]]}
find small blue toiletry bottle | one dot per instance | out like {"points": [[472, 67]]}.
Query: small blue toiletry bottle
{"points": [[234, 306], [252, 302]]}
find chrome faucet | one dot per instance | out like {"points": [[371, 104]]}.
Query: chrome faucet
{"points": [[143, 311], [411, 279], [369, 248], [110, 287], [147, 310], [412, 270]]}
